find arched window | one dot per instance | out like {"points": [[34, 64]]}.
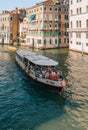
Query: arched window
{"points": [[50, 41], [79, 23], [87, 23], [76, 23], [55, 41], [44, 41], [71, 24]]}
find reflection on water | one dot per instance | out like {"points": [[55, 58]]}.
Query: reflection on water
{"points": [[76, 104], [26, 105]]}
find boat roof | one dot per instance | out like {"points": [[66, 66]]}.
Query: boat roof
{"points": [[36, 58]]}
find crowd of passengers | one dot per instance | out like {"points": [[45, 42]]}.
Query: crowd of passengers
{"points": [[53, 73]]}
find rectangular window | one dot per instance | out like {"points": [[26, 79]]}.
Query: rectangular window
{"points": [[79, 35], [44, 16], [36, 33], [59, 25], [71, 42], [56, 16], [79, 43], [66, 33], [77, 11], [86, 23], [50, 17], [87, 8], [44, 33], [76, 35], [64, 40], [71, 12], [44, 8], [59, 16], [44, 25], [71, 34], [59, 9], [71, 24], [50, 9], [86, 35], [55, 41], [41, 34], [50, 41], [56, 9], [76, 43], [39, 41], [10, 18], [60, 33], [80, 10], [56, 33], [50, 33], [66, 17], [59, 40], [87, 44], [71, 2], [44, 41]]}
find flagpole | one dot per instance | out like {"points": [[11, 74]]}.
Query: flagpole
{"points": [[82, 49]]}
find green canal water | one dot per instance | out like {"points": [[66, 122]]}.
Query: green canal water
{"points": [[25, 105]]}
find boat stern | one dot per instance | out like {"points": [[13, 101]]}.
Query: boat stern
{"points": [[63, 83]]}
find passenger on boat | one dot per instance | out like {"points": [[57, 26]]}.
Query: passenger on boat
{"points": [[53, 76], [37, 72], [43, 73], [47, 75], [40, 75]]}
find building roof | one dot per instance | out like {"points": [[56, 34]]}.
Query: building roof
{"points": [[47, 2], [4, 12], [17, 10]]}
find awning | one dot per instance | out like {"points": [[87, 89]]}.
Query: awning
{"points": [[32, 17], [41, 60]]}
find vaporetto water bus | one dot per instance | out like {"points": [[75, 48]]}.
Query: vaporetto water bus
{"points": [[41, 69]]}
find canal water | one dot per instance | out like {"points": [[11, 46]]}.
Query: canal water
{"points": [[24, 105]]}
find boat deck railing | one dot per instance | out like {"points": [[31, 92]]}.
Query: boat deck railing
{"points": [[46, 75]]}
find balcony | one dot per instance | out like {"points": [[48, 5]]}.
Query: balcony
{"points": [[43, 28], [33, 28], [77, 29]]}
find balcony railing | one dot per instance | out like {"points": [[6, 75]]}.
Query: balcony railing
{"points": [[77, 29], [33, 28], [43, 28]]}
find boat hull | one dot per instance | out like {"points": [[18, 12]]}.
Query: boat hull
{"points": [[44, 85]]}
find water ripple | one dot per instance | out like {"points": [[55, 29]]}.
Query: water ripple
{"points": [[26, 105]]}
